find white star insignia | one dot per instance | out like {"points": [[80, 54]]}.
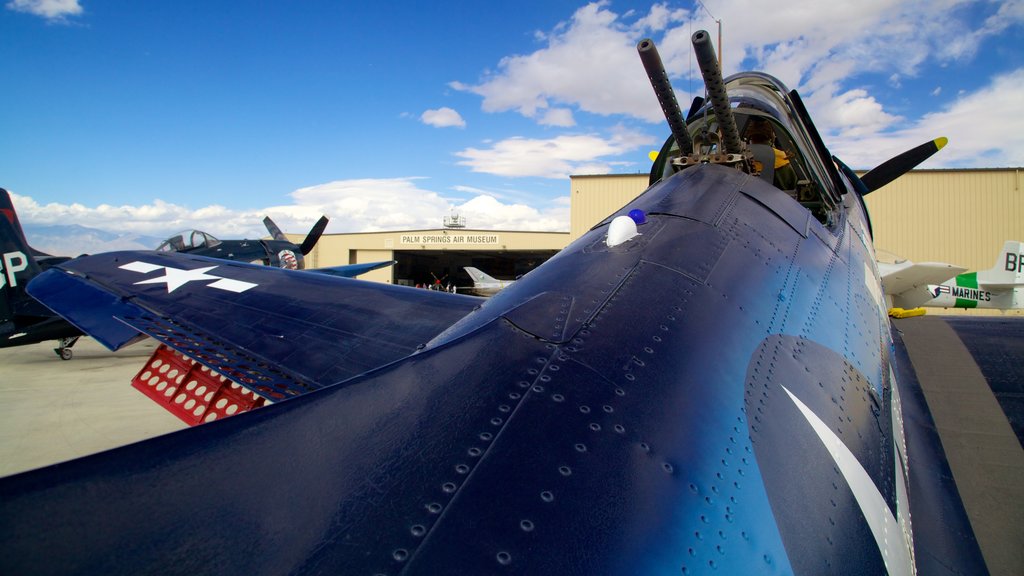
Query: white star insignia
{"points": [[175, 278]]}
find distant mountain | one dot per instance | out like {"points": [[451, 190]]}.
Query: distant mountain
{"points": [[73, 240]]}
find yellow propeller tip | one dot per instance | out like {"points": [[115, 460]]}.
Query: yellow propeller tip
{"points": [[940, 142], [653, 155]]}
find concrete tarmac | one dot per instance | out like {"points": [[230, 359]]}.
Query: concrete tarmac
{"points": [[53, 410]]}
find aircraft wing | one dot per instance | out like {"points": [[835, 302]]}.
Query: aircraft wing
{"points": [[279, 332], [353, 270], [907, 282]]}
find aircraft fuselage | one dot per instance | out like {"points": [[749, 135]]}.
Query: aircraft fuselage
{"points": [[762, 313]]}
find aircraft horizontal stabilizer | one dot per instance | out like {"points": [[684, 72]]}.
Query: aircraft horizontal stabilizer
{"points": [[310, 330], [907, 282]]}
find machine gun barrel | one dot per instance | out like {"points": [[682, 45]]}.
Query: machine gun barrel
{"points": [[666, 96], [712, 73]]}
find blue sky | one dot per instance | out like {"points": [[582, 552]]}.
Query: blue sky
{"points": [[154, 117]]}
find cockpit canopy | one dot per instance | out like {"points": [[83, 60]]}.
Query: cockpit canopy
{"points": [[188, 240], [772, 127]]}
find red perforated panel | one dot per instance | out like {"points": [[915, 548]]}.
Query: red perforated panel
{"points": [[191, 391]]}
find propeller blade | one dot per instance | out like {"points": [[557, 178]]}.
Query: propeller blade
{"points": [[313, 236], [899, 165], [275, 232]]}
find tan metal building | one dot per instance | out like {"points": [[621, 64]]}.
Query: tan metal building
{"points": [[595, 197], [426, 256], [958, 216]]}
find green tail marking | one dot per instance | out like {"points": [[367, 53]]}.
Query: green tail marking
{"points": [[969, 280]]}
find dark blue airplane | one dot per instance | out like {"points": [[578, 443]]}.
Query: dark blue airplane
{"points": [[717, 390], [279, 251], [23, 320]]}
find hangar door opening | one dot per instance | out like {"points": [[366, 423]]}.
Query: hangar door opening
{"points": [[445, 268]]}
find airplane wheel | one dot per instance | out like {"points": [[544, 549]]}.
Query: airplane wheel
{"points": [[65, 353]]}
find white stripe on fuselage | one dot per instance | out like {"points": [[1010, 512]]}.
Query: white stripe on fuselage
{"points": [[884, 527]]}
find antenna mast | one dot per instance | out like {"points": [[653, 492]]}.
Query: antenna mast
{"points": [[719, 22]]}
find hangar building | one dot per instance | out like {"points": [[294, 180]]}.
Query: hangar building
{"points": [[426, 257], [960, 216]]}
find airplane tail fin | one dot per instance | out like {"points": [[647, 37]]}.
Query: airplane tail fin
{"points": [[11, 215], [1009, 268], [17, 260], [479, 276]]}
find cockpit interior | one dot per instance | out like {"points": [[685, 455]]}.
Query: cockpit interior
{"points": [[777, 148]]}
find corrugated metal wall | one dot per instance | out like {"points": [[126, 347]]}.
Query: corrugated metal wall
{"points": [[595, 197], [956, 216], [960, 217]]}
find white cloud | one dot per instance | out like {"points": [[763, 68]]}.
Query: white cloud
{"points": [[489, 213], [985, 128], [659, 18], [560, 117], [55, 10], [161, 219], [589, 62], [369, 204], [557, 157], [366, 205], [357, 205], [846, 114], [443, 118]]}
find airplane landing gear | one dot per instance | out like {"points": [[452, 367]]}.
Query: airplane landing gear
{"points": [[63, 348]]}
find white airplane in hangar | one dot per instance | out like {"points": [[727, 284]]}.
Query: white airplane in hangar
{"points": [[485, 284]]}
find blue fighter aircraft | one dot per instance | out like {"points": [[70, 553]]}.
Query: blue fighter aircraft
{"points": [[717, 390], [279, 251], [23, 320]]}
